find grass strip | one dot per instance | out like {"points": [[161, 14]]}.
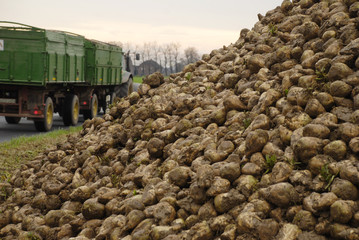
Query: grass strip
{"points": [[138, 79], [22, 149]]}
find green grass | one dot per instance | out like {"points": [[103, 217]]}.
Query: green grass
{"points": [[137, 79], [271, 160], [22, 149], [327, 176]]}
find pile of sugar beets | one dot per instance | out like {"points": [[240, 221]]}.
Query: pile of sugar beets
{"points": [[258, 140]]}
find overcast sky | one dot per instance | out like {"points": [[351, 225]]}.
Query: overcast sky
{"points": [[204, 24]]}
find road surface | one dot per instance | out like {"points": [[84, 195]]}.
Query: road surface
{"points": [[27, 128]]}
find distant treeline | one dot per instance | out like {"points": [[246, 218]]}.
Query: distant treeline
{"points": [[151, 57]]}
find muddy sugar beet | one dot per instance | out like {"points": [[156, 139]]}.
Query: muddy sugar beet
{"points": [[258, 140]]}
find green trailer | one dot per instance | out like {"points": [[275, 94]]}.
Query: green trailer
{"points": [[46, 71]]}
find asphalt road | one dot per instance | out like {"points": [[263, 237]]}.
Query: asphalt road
{"points": [[27, 128]]}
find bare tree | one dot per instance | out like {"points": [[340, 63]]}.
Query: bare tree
{"points": [[143, 57], [147, 51], [170, 56], [156, 49], [191, 55], [167, 56], [176, 47], [160, 57]]}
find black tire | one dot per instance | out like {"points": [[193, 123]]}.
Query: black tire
{"points": [[71, 110], [12, 120], [45, 124], [92, 112], [125, 89]]}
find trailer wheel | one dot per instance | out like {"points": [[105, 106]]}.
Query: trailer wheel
{"points": [[71, 110], [45, 124], [125, 89], [92, 112], [12, 120]]}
